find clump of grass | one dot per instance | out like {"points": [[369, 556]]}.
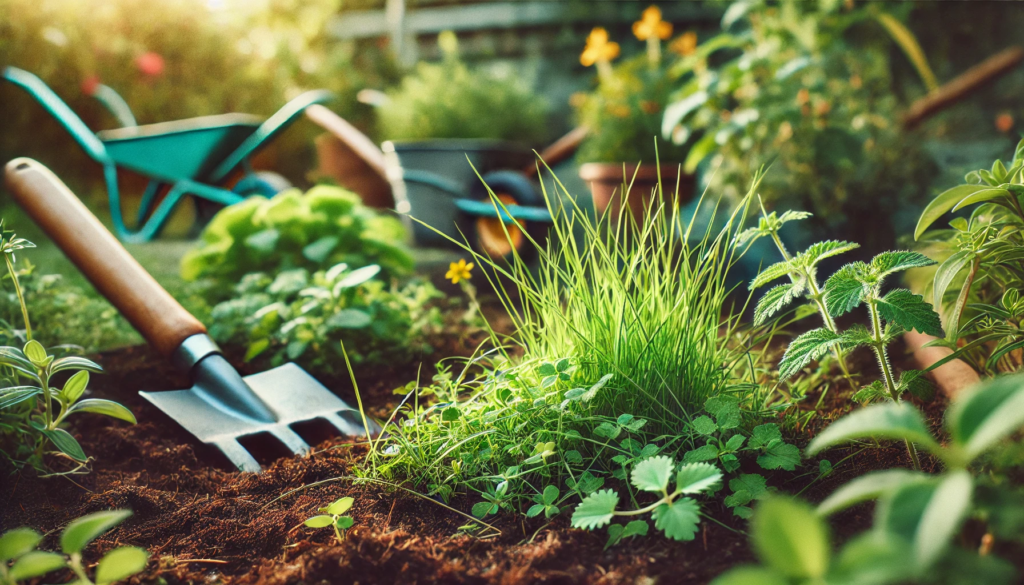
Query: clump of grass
{"points": [[624, 336]]}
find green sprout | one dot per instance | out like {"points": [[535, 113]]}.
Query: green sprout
{"points": [[333, 516]]}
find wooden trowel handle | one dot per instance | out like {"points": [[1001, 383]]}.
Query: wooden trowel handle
{"points": [[101, 258]]}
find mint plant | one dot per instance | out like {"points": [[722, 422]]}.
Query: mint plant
{"points": [[333, 515], [675, 515], [918, 516], [802, 270], [20, 561]]}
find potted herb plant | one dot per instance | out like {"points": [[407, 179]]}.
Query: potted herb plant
{"points": [[623, 151]]}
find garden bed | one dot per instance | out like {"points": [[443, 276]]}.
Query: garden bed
{"points": [[203, 522]]}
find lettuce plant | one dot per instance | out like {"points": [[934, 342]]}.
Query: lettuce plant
{"points": [[316, 230], [21, 562], [918, 516], [978, 284]]}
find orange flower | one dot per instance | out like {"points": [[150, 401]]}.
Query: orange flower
{"points": [[1004, 122], [651, 26], [598, 48], [685, 44]]}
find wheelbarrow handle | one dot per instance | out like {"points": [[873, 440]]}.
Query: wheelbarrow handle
{"points": [[102, 259]]}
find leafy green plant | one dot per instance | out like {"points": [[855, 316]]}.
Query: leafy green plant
{"points": [[450, 100], [298, 316], [673, 514], [978, 285], [801, 269], [20, 561], [28, 417], [918, 515], [316, 230], [334, 516]]}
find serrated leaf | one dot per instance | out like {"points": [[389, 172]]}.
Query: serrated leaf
{"points": [[679, 519], [883, 421], [819, 251], [887, 263], [705, 453], [775, 300], [607, 430], [596, 510], [791, 215], [810, 346], [914, 382], [872, 392], [844, 290], [780, 456], [761, 435], [791, 539], [652, 475], [867, 487], [694, 478], [910, 311], [84, 530], [121, 563], [704, 425], [856, 336], [773, 272]]}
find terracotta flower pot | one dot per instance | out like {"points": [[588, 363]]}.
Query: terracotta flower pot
{"points": [[950, 378], [607, 182]]}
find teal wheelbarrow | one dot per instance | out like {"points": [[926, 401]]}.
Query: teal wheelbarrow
{"points": [[194, 157]]}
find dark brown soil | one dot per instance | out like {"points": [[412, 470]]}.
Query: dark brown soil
{"points": [[204, 523]]}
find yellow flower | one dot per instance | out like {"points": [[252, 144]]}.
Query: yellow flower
{"points": [[598, 48], [685, 44], [651, 25], [458, 271]]}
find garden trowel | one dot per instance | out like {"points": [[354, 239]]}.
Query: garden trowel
{"points": [[222, 407]]}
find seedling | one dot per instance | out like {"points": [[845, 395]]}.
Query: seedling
{"points": [[673, 514], [21, 562], [545, 503], [333, 516]]}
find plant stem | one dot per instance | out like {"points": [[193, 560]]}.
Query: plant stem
{"points": [[76, 565], [21, 298], [883, 363], [666, 500]]}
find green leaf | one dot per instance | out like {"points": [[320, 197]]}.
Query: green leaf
{"points": [[679, 519], [910, 311], [348, 319], [318, 251], [699, 151], [483, 509], [67, 444], [36, 353], [607, 430], [773, 272], [780, 456], [652, 474], [340, 506], [986, 414], [357, 277], [550, 495], [750, 576], [872, 392], [74, 363], [790, 538], [592, 392], [735, 442], [75, 386], [844, 290], [708, 452], [775, 300], [84, 530], [887, 263], [947, 271], [17, 542], [982, 197], [17, 394], [819, 251], [450, 414], [726, 410], [940, 522], [319, 521], [764, 434], [810, 346], [883, 421], [344, 522], [874, 557], [596, 510], [704, 425], [36, 564], [635, 528], [694, 478], [120, 564], [104, 407], [914, 381], [943, 204], [867, 487]]}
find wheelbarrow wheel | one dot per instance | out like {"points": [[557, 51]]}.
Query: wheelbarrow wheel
{"points": [[265, 183], [495, 238]]}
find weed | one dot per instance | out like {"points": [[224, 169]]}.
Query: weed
{"points": [[20, 561], [333, 516]]}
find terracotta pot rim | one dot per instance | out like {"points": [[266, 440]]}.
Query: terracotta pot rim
{"points": [[595, 171], [952, 377]]}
